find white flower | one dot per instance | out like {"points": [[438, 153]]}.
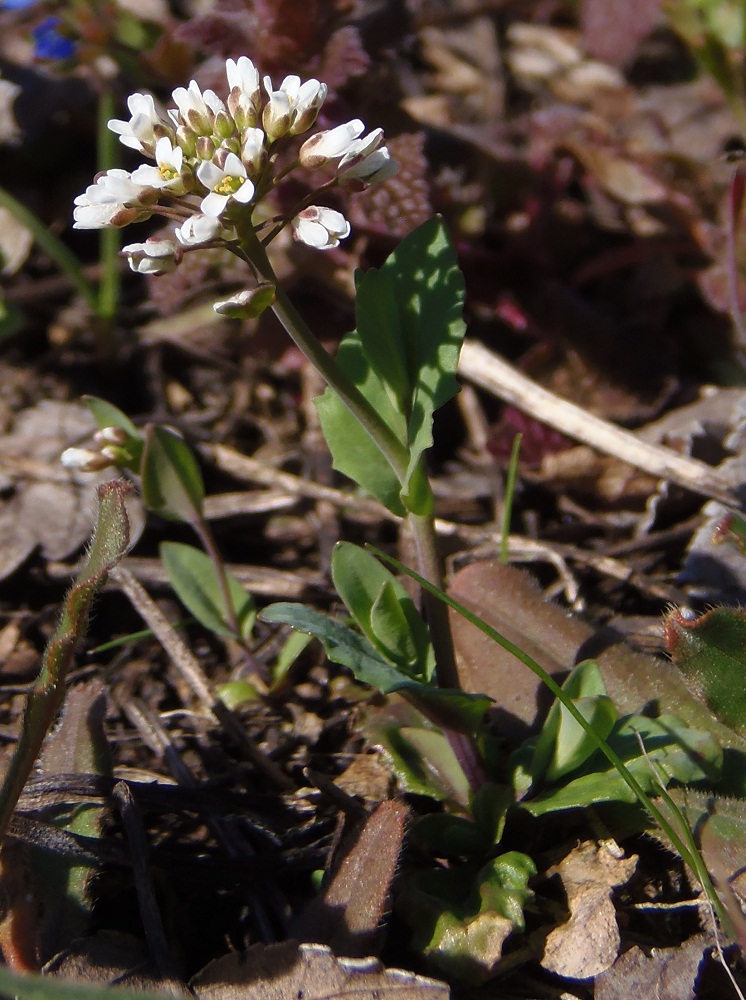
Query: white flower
{"points": [[111, 435], [276, 115], [294, 107], [114, 200], [245, 94], [167, 173], [326, 146], [145, 126], [365, 163], [305, 102], [319, 227], [152, 257], [195, 109], [201, 229], [253, 151], [224, 184]]}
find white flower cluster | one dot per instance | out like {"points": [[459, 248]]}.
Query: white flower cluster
{"points": [[214, 162]]}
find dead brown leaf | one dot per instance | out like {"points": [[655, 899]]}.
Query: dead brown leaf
{"points": [[666, 973], [108, 957], [287, 971], [588, 943], [49, 506]]}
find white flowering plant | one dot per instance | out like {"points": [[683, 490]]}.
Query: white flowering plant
{"points": [[216, 163]]}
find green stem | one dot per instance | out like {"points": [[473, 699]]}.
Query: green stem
{"points": [[508, 498], [296, 328], [428, 558], [108, 292], [208, 543], [423, 526], [52, 246]]}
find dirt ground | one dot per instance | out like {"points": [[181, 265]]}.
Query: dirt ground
{"points": [[582, 156]]}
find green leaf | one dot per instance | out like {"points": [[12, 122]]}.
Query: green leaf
{"points": [[171, 480], [489, 807], [460, 917], [109, 543], [438, 775], [654, 751], [710, 651], [383, 609], [455, 709], [293, 646], [193, 576], [429, 295], [403, 357], [107, 415], [563, 745], [354, 453], [233, 694]]}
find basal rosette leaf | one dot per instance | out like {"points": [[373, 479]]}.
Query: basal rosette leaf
{"points": [[655, 751]]}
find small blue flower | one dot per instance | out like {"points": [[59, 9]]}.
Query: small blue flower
{"points": [[49, 43], [17, 4]]}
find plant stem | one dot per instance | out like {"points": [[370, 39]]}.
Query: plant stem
{"points": [[423, 525], [208, 543], [108, 292], [428, 559], [508, 498], [65, 259], [296, 328]]}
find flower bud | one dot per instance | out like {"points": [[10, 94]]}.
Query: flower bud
{"points": [[84, 460], [187, 140], [111, 435], [326, 146], [205, 148], [276, 116], [253, 151], [248, 304], [224, 125]]}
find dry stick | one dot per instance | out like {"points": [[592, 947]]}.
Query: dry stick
{"points": [[191, 671], [223, 829], [149, 912], [520, 548], [490, 372]]}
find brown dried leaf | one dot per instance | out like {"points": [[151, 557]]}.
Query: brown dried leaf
{"points": [[50, 506], [287, 971], [665, 973], [509, 600], [109, 958], [588, 943], [622, 178]]}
